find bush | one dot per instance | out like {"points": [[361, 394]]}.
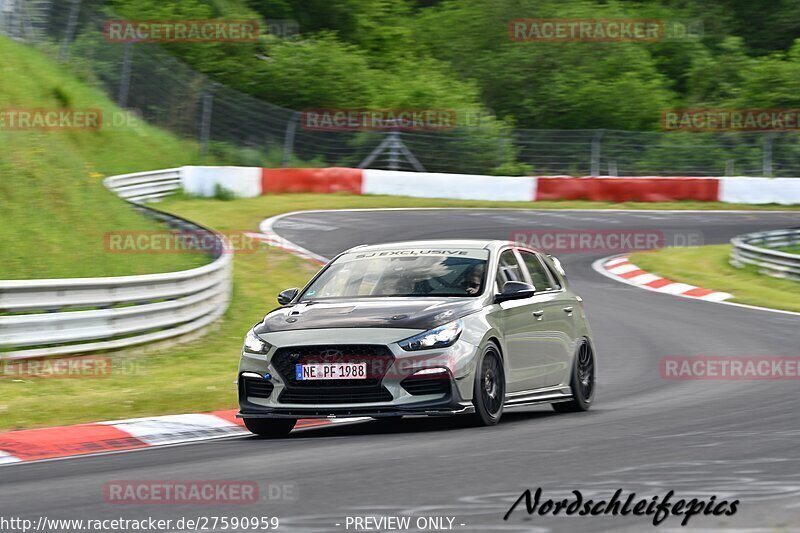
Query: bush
{"points": [[221, 193]]}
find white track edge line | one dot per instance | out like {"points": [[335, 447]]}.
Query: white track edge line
{"points": [[265, 227], [597, 266]]}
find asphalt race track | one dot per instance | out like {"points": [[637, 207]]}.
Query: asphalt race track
{"points": [[736, 440]]}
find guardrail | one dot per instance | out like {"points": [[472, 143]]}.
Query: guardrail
{"points": [[759, 249], [145, 186], [46, 317]]}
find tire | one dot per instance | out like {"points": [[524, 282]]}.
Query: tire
{"points": [[270, 427], [489, 390], [582, 382]]}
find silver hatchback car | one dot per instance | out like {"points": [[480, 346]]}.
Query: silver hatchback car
{"points": [[420, 328]]}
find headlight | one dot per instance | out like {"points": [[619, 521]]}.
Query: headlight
{"points": [[253, 344], [440, 337]]}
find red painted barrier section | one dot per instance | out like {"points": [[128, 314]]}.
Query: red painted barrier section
{"points": [[628, 189], [318, 180], [610, 189]]}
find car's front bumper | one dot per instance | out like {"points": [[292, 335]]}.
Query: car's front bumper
{"points": [[459, 360], [446, 408]]}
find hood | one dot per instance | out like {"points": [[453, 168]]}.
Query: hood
{"points": [[403, 313]]}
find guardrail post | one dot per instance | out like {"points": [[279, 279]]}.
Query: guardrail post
{"points": [[767, 155], [205, 118], [288, 139], [69, 33], [125, 77], [595, 163], [394, 153], [729, 167], [500, 151]]}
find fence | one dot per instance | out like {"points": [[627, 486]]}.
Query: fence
{"points": [[166, 92], [69, 316], [759, 249]]}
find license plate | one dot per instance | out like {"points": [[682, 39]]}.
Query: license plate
{"points": [[331, 371]]}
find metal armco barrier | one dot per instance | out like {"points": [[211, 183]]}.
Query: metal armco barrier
{"points": [[145, 186], [759, 249], [45, 317]]}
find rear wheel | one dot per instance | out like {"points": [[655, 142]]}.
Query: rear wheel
{"points": [[582, 382], [490, 388], [270, 427]]}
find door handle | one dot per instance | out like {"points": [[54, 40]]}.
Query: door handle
{"points": [[568, 310], [538, 314]]}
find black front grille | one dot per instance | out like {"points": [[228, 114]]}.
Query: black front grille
{"points": [[256, 388], [419, 386], [331, 395], [378, 359]]}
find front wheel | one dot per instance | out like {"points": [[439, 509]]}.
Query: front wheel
{"points": [[582, 382], [270, 427], [490, 388]]}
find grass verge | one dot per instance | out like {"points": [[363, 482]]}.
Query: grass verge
{"points": [[707, 267], [55, 211]]}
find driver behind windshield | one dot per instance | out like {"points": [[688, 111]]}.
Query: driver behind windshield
{"points": [[473, 278], [407, 276], [432, 279]]}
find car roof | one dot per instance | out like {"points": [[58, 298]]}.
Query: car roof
{"points": [[470, 244]]}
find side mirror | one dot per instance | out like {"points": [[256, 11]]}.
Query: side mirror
{"points": [[515, 290], [287, 296]]}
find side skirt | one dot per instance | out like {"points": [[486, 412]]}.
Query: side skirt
{"points": [[550, 395]]}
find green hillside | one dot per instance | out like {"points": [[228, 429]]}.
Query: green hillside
{"points": [[54, 210]]}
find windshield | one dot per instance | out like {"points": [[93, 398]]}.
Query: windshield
{"points": [[411, 272]]}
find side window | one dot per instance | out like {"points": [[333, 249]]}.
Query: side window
{"points": [[508, 269], [539, 276]]}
